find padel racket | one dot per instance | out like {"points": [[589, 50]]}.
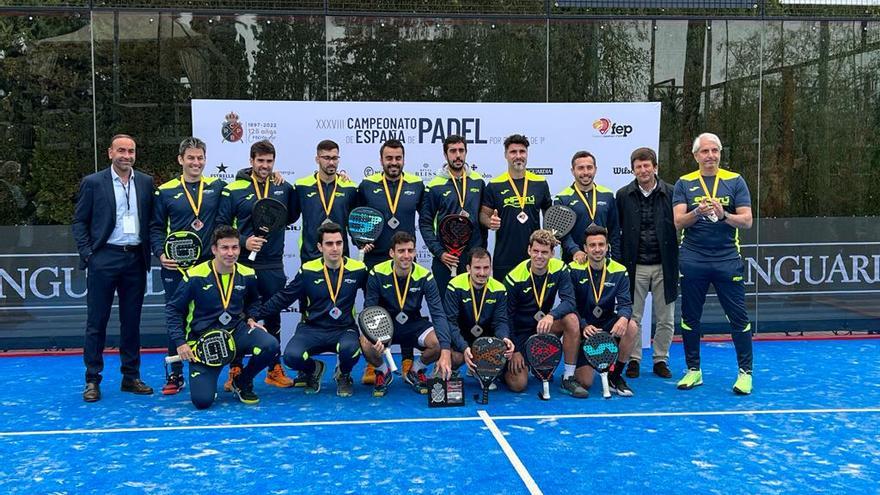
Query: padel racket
{"points": [[601, 352], [559, 219], [269, 215], [489, 361], [214, 348], [377, 326], [364, 226], [544, 351], [455, 234], [184, 247]]}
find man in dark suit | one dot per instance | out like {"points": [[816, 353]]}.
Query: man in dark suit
{"points": [[111, 228]]}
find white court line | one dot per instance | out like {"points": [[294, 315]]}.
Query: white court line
{"points": [[510, 453], [94, 431]]}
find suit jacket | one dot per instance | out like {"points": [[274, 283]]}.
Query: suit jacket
{"points": [[95, 215], [628, 204]]}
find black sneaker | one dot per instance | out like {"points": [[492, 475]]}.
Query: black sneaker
{"points": [[175, 384], [573, 388], [381, 382], [301, 379], [618, 386], [244, 391], [344, 385], [418, 380], [313, 380]]}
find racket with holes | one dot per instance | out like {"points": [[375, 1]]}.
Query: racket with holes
{"points": [[601, 349], [184, 247], [269, 215], [559, 219], [377, 326], [214, 348], [543, 351], [364, 226], [455, 233], [488, 357]]}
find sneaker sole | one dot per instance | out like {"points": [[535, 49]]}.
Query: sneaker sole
{"points": [[244, 401], [688, 387], [343, 394], [312, 391], [741, 392], [571, 394], [617, 391]]}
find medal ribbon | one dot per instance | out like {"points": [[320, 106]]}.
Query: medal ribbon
{"points": [[225, 294], [590, 211], [401, 298], [327, 207], [474, 302], [392, 206], [462, 194], [539, 299], [706, 189], [330, 290], [195, 206], [598, 294], [257, 188], [521, 199]]}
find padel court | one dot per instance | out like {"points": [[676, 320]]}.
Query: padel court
{"points": [[812, 425]]}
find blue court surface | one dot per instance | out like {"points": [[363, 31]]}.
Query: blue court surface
{"points": [[807, 428]]}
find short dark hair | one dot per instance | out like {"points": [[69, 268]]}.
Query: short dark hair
{"points": [[594, 229], [264, 147], [516, 139], [327, 145], [191, 143], [582, 154], [478, 252], [453, 139], [224, 232], [643, 154], [391, 143], [402, 238], [328, 228], [120, 136]]}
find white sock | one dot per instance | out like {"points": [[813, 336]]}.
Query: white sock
{"points": [[569, 371], [383, 369], [418, 365]]}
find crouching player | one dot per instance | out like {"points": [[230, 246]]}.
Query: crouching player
{"points": [[326, 288], [217, 294], [604, 305]]}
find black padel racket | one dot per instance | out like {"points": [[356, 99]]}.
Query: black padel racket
{"points": [[364, 226], [269, 215], [544, 351], [601, 352], [489, 361], [377, 326], [184, 247], [455, 234], [559, 219], [214, 348]]}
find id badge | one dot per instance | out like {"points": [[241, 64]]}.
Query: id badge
{"points": [[128, 224]]}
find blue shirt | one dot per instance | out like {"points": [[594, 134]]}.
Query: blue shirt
{"points": [[615, 300], [605, 216], [126, 204], [708, 240]]}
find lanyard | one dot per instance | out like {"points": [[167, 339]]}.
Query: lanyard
{"points": [[597, 294], [334, 293], [520, 198], [590, 211], [225, 294], [127, 191], [401, 298], [392, 206], [706, 189], [462, 194], [257, 188], [327, 206], [194, 205], [539, 299], [474, 301]]}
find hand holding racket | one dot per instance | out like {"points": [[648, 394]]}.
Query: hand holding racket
{"points": [[268, 216], [559, 219], [601, 351], [364, 226], [544, 351], [214, 348], [455, 235], [377, 326], [488, 358]]}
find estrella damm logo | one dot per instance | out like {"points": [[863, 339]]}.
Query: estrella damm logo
{"points": [[724, 200], [232, 130], [514, 201], [606, 127]]}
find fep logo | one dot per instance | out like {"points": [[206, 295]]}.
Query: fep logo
{"points": [[232, 130], [607, 128]]}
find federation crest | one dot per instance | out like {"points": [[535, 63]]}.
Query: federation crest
{"points": [[232, 130]]}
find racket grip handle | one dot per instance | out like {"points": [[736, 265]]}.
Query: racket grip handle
{"points": [[172, 359], [252, 256], [360, 255], [453, 271], [391, 364], [605, 392], [546, 389]]}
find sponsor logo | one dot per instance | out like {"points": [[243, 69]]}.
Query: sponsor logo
{"points": [[541, 170], [232, 130], [607, 128]]}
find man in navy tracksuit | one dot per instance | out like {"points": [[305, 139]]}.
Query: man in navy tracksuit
{"points": [[711, 205], [326, 289], [218, 294]]}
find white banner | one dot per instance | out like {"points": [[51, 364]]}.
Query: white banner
{"points": [[610, 131]]}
